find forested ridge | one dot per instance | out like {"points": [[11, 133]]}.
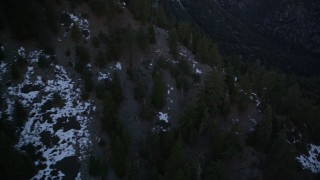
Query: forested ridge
{"points": [[152, 95]]}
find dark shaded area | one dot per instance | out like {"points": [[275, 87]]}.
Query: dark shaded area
{"points": [[30, 20], [69, 166], [259, 30]]}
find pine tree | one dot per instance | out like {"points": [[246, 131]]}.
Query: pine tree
{"points": [[161, 19], [176, 160], [173, 43], [152, 34], [119, 156], [184, 31], [280, 161], [213, 93], [263, 131], [75, 34], [158, 91]]}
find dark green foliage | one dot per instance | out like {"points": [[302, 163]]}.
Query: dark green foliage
{"points": [[215, 170], [129, 37], [158, 98], [146, 112], [97, 167], [214, 58], [14, 164], [151, 35], [30, 19], [262, 135], [116, 90], [75, 34], [95, 42], [119, 156], [115, 44], [281, 162], [2, 53], [176, 163], [226, 106], [167, 141], [87, 78], [20, 114], [184, 32], [101, 60], [98, 7], [21, 62], [189, 125], [68, 52], [57, 100], [141, 9], [184, 66], [100, 91], [133, 173], [213, 93], [109, 119], [203, 49], [15, 73], [161, 19], [82, 58], [43, 62], [173, 43], [142, 39]]}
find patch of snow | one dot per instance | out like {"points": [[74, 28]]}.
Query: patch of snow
{"points": [[103, 76], [78, 176], [173, 61], [170, 88], [254, 124], [312, 160], [34, 56], [118, 66], [22, 52], [198, 71], [163, 117], [235, 121], [70, 142], [3, 69], [82, 23]]}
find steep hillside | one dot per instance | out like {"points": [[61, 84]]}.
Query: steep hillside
{"points": [[99, 89], [282, 34]]}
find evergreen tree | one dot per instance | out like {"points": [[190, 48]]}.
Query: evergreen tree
{"points": [[189, 124], [117, 90], [158, 91], [20, 115], [173, 43], [75, 34], [184, 31], [161, 19], [262, 135], [213, 93], [280, 161], [175, 161], [119, 156], [203, 49], [151, 35], [129, 43], [215, 170], [142, 39]]}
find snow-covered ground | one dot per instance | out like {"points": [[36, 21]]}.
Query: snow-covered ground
{"points": [[68, 20], [311, 161], [3, 69], [106, 74], [56, 130]]}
